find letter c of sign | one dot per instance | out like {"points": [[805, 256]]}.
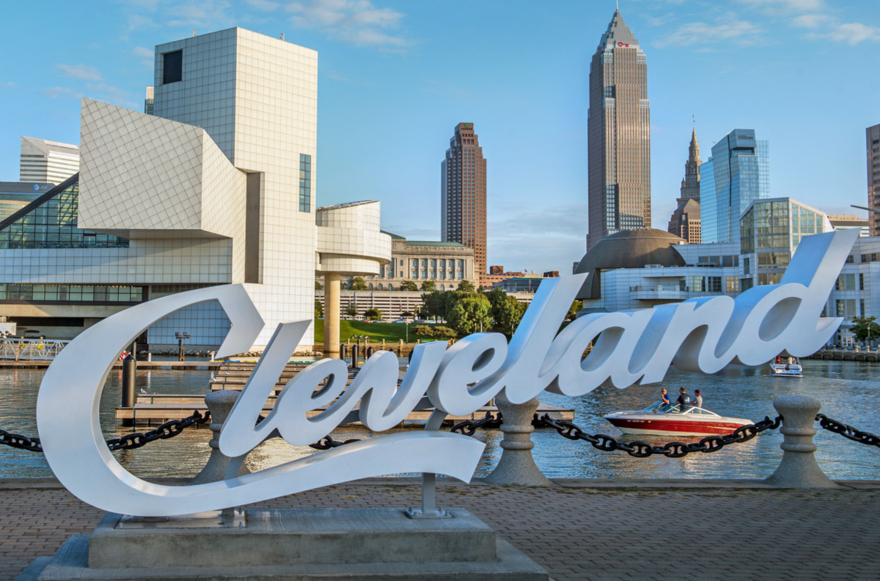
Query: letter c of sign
{"points": [[70, 429]]}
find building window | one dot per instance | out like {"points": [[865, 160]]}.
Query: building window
{"points": [[305, 183], [862, 281], [52, 224], [70, 293], [731, 284], [172, 67]]}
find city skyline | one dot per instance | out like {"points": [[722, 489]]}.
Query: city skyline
{"points": [[381, 114]]}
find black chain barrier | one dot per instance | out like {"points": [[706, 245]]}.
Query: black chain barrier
{"points": [[327, 442], [469, 427], [847, 431], [126, 442], [640, 449]]}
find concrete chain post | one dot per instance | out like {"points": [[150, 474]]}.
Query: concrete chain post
{"points": [[219, 404], [517, 465], [798, 468]]}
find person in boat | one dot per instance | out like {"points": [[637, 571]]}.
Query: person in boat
{"points": [[664, 398], [698, 399], [684, 400]]}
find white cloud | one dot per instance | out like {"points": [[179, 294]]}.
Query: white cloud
{"points": [[354, 21], [82, 72], [56, 92], [700, 33], [809, 21], [7, 84], [853, 33]]}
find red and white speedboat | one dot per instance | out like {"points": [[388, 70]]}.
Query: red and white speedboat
{"points": [[669, 420]]}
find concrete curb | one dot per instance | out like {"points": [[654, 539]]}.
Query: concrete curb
{"points": [[586, 483]]}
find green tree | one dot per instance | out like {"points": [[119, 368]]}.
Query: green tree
{"points": [[319, 286], [319, 309], [507, 312], [573, 310], [357, 284], [471, 313], [408, 285], [406, 314], [373, 314], [866, 328], [466, 286], [434, 304], [428, 285], [351, 310]]}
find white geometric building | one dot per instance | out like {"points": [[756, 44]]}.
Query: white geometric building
{"points": [[47, 161], [217, 187]]}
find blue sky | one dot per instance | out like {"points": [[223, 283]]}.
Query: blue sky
{"points": [[396, 76]]}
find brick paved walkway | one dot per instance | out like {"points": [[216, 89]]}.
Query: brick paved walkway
{"points": [[575, 532]]}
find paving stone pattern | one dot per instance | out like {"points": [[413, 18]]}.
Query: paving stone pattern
{"points": [[576, 532]]}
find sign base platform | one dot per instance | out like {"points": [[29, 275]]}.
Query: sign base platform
{"points": [[290, 545]]}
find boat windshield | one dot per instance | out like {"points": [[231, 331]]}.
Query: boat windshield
{"points": [[661, 408]]}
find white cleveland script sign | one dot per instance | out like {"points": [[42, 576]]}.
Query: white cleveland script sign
{"points": [[703, 334]]}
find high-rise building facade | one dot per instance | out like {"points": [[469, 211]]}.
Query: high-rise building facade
{"points": [[463, 194], [872, 144], [685, 221], [618, 135], [737, 174], [47, 161]]}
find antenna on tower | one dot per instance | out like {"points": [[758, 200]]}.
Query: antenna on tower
{"points": [[282, 36], [617, 5], [694, 118], [194, 32]]}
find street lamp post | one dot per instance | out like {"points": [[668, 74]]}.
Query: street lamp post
{"points": [[180, 337]]}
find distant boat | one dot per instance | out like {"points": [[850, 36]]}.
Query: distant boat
{"points": [[792, 368]]}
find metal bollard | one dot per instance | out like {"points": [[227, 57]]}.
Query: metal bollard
{"points": [[354, 356], [798, 468], [517, 465], [369, 352], [219, 404], [129, 371]]}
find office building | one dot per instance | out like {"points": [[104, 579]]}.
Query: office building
{"points": [[618, 135], [849, 222], [16, 195], [737, 174], [445, 264], [463, 194], [685, 220], [217, 187], [770, 232], [148, 101], [498, 274], [45, 161], [872, 145]]}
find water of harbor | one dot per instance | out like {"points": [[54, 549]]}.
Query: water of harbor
{"points": [[849, 391]]}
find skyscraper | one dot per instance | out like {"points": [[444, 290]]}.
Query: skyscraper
{"points": [[872, 144], [618, 135], [737, 174], [47, 161], [685, 220], [463, 193]]}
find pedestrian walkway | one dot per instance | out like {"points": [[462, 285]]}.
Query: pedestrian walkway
{"points": [[577, 530]]}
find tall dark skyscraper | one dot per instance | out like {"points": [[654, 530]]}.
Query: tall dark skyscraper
{"points": [[463, 191], [618, 135]]}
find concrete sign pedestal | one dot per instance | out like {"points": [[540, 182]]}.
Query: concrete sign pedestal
{"points": [[290, 544]]}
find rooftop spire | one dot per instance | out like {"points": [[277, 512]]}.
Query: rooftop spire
{"points": [[618, 34]]}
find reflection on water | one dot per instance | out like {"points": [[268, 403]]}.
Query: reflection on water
{"points": [[848, 392]]}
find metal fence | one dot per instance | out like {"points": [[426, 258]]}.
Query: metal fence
{"points": [[30, 349]]}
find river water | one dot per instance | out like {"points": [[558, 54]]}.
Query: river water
{"points": [[849, 391]]}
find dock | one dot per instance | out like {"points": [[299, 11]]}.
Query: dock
{"points": [[152, 409]]}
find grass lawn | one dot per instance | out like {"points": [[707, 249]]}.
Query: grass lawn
{"points": [[391, 332]]}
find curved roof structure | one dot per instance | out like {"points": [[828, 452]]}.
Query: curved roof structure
{"points": [[627, 249]]}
